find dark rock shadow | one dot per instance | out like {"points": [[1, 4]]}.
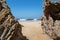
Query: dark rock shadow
{"points": [[58, 38], [25, 38]]}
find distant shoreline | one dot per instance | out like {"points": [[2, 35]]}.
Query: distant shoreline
{"points": [[29, 20]]}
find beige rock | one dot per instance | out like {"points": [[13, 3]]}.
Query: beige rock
{"points": [[51, 20], [10, 29]]}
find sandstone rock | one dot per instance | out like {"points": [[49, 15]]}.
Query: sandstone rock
{"points": [[50, 21], [10, 29]]}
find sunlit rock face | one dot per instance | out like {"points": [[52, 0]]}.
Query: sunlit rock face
{"points": [[10, 29], [50, 21]]}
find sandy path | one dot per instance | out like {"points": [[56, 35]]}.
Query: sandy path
{"points": [[32, 30]]}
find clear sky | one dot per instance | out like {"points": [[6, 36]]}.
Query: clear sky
{"points": [[26, 8]]}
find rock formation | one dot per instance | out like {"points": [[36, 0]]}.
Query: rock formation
{"points": [[10, 29], [50, 21]]}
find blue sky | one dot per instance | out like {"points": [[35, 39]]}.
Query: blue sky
{"points": [[26, 8]]}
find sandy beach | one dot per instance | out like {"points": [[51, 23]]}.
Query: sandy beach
{"points": [[33, 31]]}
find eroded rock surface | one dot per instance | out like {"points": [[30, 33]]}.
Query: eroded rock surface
{"points": [[50, 21], [10, 29]]}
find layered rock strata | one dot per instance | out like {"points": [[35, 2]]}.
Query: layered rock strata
{"points": [[10, 29]]}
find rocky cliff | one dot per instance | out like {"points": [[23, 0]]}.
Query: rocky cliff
{"points": [[10, 29], [50, 21]]}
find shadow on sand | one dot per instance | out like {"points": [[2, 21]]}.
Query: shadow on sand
{"points": [[25, 38]]}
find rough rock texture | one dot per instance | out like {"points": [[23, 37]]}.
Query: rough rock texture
{"points": [[50, 21], [10, 29]]}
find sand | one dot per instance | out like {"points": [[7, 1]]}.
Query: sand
{"points": [[33, 31]]}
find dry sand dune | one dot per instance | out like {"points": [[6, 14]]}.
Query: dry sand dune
{"points": [[33, 31]]}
